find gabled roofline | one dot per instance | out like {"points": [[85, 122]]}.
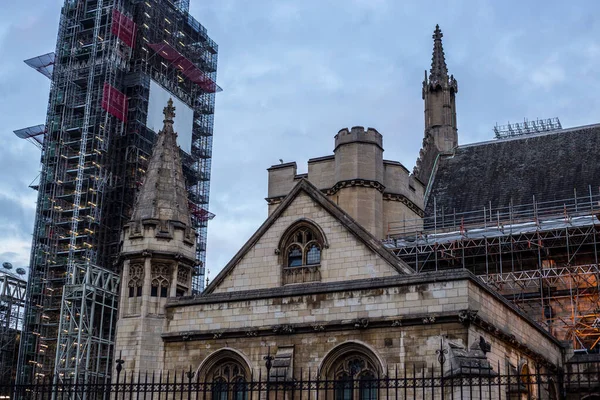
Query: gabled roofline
{"points": [[334, 210]]}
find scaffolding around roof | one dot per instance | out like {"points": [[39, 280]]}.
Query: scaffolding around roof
{"points": [[527, 127], [541, 256]]}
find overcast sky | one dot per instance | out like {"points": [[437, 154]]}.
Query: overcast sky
{"points": [[295, 72]]}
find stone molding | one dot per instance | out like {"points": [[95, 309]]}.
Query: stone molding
{"points": [[429, 319], [333, 326], [354, 183]]}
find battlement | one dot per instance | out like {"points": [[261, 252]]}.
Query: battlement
{"points": [[360, 135]]}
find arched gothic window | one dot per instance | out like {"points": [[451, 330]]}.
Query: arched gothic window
{"points": [[355, 378], [229, 382], [136, 280], [226, 373], [160, 281], [354, 370], [301, 248]]}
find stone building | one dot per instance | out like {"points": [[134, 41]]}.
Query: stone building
{"points": [[317, 287]]}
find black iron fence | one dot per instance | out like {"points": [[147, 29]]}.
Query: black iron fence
{"points": [[577, 381]]}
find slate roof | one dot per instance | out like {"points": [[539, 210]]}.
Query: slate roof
{"points": [[548, 166]]}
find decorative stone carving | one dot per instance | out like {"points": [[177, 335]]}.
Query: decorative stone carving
{"points": [[283, 329], [160, 270], [467, 316], [136, 275], [361, 323]]}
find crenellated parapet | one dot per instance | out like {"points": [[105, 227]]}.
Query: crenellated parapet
{"points": [[358, 134]]}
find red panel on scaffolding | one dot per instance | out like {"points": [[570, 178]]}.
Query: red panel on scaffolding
{"points": [[187, 67], [123, 27], [114, 102]]}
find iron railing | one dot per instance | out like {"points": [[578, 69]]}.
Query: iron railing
{"points": [[576, 381]]}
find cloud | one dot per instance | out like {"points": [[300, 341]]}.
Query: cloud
{"points": [[295, 72]]}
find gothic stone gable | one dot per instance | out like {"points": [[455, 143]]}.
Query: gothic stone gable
{"points": [[347, 251]]}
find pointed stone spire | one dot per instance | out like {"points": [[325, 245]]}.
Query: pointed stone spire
{"points": [[439, 70], [163, 196], [439, 94]]}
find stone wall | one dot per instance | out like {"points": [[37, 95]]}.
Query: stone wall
{"points": [[403, 319], [346, 258]]}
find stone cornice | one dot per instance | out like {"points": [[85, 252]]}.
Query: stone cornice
{"points": [[331, 326], [336, 188], [464, 317]]}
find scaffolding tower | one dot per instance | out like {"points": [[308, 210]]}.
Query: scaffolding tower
{"points": [[87, 324], [95, 147], [12, 305], [543, 257]]}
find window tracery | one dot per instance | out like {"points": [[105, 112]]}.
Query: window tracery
{"points": [[355, 378], [228, 375], [301, 249], [183, 274], [354, 369], [160, 281], [136, 280]]}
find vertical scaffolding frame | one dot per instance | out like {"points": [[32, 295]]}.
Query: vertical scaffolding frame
{"points": [[87, 324], [12, 307]]}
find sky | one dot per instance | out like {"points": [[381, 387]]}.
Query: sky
{"points": [[294, 73]]}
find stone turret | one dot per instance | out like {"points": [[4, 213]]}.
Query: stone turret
{"points": [[158, 254], [439, 92], [359, 176]]}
